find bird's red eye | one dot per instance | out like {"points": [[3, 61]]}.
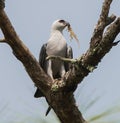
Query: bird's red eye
{"points": [[61, 21]]}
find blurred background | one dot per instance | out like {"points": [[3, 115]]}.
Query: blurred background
{"points": [[98, 96]]}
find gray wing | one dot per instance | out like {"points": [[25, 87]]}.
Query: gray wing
{"points": [[69, 54], [42, 57], [42, 62]]}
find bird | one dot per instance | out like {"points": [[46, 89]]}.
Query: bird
{"points": [[57, 46]]}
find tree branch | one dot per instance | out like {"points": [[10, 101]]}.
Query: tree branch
{"points": [[2, 4], [110, 19], [100, 44], [103, 21], [3, 41], [23, 54]]}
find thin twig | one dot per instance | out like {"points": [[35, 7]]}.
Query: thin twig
{"points": [[52, 57]]}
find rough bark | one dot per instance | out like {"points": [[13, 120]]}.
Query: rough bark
{"points": [[59, 94]]}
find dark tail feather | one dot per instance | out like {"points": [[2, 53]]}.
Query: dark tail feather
{"points": [[48, 110]]}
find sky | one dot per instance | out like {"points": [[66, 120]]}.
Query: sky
{"points": [[99, 92]]}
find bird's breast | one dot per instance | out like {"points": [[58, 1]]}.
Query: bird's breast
{"points": [[56, 46]]}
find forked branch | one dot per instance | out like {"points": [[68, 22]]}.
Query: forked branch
{"points": [[62, 100]]}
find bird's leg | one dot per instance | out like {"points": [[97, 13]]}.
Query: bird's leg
{"points": [[62, 71], [49, 69], [50, 73]]}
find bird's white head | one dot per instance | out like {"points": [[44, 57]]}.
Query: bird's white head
{"points": [[59, 25]]}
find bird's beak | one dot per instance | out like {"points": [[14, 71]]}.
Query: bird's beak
{"points": [[67, 24]]}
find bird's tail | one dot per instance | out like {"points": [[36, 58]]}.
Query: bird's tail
{"points": [[48, 110]]}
